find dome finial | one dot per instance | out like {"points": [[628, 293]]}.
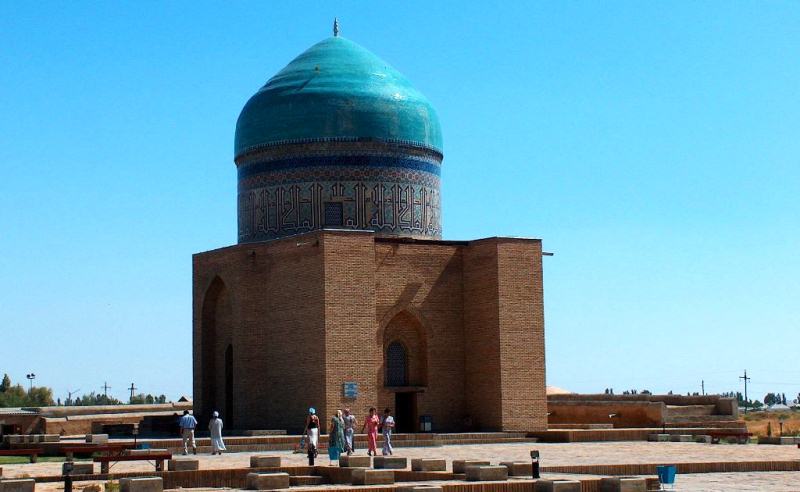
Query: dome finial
{"points": [[335, 27]]}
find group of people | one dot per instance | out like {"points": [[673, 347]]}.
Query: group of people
{"points": [[342, 430], [341, 435], [188, 424]]}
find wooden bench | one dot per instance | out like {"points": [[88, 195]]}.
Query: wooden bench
{"points": [[32, 454], [742, 437], [158, 458], [109, 449]]}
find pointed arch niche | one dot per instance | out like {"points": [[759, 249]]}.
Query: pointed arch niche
{"points": [[405, 352], [216, 351]]}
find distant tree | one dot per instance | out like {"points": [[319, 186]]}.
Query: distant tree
{"points": [[783, 398], [5, 384], [96, 399], [39, 396], [769, 399], [148, 399], [646, 392]]}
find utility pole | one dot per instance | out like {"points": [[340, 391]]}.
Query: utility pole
{"points": [[703, 386], [69, 395], [132, 388], [746, 379], [105, 387]]}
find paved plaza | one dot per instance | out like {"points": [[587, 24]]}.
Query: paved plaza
{"points": [[552, 455]]}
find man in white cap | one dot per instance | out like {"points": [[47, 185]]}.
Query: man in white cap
{"points": [[215, 429]]}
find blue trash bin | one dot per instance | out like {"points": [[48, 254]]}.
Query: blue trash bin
{"points": [[666, 474]]}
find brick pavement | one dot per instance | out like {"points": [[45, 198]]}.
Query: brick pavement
{"points": [[552, 454]]}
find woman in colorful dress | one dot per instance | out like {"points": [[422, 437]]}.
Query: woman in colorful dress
{"points": [[336, 437], [371, 424]]}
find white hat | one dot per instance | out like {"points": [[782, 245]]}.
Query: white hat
{"points": [[215, 414]]}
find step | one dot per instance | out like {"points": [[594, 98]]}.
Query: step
{"points": [[305, 480], [700, 418]]}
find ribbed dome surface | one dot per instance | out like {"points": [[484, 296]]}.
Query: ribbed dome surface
{"points": [[337, 90]]}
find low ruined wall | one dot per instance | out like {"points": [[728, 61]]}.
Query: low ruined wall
{"points": [[111, 409], [625, 413], [722, 405]]}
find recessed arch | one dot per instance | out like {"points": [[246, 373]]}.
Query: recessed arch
{"points": [[215, 329], [405, 340]]}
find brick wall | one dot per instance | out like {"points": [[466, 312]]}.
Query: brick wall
{"points": [[521, 333], [481, 339], [306, 314]]}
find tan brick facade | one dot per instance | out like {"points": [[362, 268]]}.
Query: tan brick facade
{"points": [[280, 326]]}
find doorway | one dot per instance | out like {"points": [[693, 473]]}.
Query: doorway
{"points": [[405, 412]]}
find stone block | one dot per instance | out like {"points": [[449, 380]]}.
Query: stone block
{"points": [[557, 486], [419, 488], [97, 438], [428, 464], [389, 462], [663, 437], [353, 461], [788, 440], [305, 480], [139, 452], [623, 484], [79, 468], [184, 464], [263, 461], [13, 439], [460, 465], [517, 468], [367, 476], [141, 484], [18, 485], [51, 438], [486, 473], [680, 438], [267, 481], [704, 439]]}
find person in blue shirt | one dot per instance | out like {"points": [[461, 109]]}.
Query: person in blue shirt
{"points": [[188, 423]]}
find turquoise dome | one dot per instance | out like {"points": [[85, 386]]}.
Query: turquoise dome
{"points": [[337, 90]]}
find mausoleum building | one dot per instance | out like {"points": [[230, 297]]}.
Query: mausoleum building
{"points": [[341, 291]]}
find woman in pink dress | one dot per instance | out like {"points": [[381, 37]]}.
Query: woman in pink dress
{"points": [[371, 424]]}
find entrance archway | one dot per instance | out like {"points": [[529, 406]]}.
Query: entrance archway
{"points": [[216, 364], [405, 367]]}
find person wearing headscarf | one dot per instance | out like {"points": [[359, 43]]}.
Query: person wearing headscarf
{"points": [[312, 434], [336, 437], [215, 428]]}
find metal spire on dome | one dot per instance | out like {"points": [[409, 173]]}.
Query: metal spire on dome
{"points": [[335, 27]]}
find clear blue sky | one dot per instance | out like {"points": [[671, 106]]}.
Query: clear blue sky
{"points": [[653, 146]]}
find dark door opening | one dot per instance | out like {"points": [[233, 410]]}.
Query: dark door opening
{"points": [[405, 412]]}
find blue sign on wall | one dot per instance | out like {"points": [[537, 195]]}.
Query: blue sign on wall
{"points": [[350, 390]]}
